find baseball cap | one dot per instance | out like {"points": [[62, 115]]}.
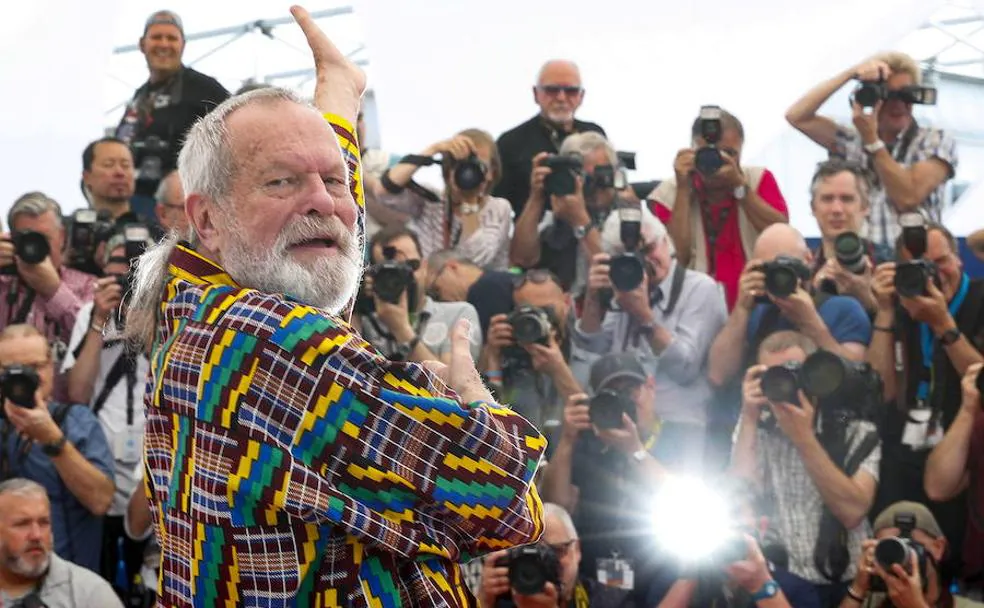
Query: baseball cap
{"points": [[165, 17], [924, 518], [615, 366]]}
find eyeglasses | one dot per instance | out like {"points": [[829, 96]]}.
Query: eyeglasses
{"points": [[432, 291], [561, 549], [537, 276], [556, 89]]}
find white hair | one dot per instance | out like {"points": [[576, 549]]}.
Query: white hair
{"points": [[586, 143], [165, 187], [554, 510], [653, 231], [553, 62], [34, 204], [20, 486]]}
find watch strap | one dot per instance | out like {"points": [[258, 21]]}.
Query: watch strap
{"points": [[740, 192], [639, 456], [950, 336], [769, 590], [55, 448], [875, 147], [582, 231]]}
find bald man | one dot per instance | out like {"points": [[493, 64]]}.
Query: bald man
{"points": [[835, 323], [559, 93]]}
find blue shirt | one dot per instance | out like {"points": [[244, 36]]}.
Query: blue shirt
{"points": [[77, 532], [844, 317]]}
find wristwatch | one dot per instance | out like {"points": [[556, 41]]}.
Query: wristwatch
{"points": [[768, 591], [950, 336], [54, 448], [581, 231], [740, 192], [872, 148], [639, 456]]}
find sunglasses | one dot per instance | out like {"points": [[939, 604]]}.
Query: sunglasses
{"points": [[537, 276], [556, 89]]}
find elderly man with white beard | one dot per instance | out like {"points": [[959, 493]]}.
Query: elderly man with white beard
{"points": [[31, 573], [289, 463]]}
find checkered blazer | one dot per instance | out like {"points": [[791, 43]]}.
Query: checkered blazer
{"points": [[290, 464]]}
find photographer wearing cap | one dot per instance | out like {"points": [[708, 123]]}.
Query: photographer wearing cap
{"points": [[526, 352], [580, 184], [901, 565], [404, 323], [908, 165], [957, 464], [559, 94], [929, 330], [35, 287], [610, 453], [641, 300], [162, 109], [60, 446], [109, 377], [714, 207], [845, 260], [774, 293], [815, 458], [464, 217], [559, 561]]}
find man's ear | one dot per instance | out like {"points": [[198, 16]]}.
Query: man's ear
{"points": [[140, 43], [201, 216]]}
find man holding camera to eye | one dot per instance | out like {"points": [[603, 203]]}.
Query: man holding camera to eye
{"points": [[404, 323], [845, 260], [545, 574], [526, 351], [559, 94], [60, 446], [603, 468], [579, 184], [908, 164], [901, 565], [774, 293], [35, 287], [929, 330], [714, 207], [641, 300], [803, 440], [109, 377]]}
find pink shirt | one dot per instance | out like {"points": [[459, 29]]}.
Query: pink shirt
{"points": [[54, 316]]}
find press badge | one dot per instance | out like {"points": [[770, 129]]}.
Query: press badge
{"points": [[917, 434], [615, 572], [129, 445]]}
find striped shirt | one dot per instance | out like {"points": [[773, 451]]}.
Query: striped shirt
{"points": [[290, 464], [55, 316]]}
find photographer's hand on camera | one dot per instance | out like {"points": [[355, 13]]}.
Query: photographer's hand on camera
{"points": [[547, 598], [683, 167], [857, 286], [577, 417], [547, 358], [498, 337], [801, 310], [796, 420], [930, 309], [571, 208], [751, 284], [396, 318], [495, 579], [861, 586], [883, 286], [752, 397], [105, 301], [43, 278], [34, 423], [903, 583], [751, 573], [459, 148], [538, 176], [730, 174], [971, 397], [866, 122], [625, 440], [636, 302]]}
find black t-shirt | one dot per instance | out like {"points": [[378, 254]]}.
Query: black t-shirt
{"points": [[165, 111], [519, 145], [492, 294]]}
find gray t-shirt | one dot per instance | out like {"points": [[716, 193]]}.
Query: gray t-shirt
{"points": [[435, 332], [69, 586]]}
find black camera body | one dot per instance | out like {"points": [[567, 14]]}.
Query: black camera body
{"points": [[531, 567], [87, 229], [530, 325], [18, 383], [850, 387], [31, 247], [152, 152], [899, 550], [708, 159], [469, 173], [911, 277], [564, 171], [390, 279], [606, 407], [783, 275], [602, 178], [781, 383], [868, 94], [626, 270]]}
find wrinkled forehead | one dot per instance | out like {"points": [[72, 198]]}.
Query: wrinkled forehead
{"points": [[283, 136], [560, 73]]}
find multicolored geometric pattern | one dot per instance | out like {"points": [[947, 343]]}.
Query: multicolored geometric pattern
{"points": [[290, 464]]}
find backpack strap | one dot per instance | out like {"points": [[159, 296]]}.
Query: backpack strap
{"points": [[61, 413]]}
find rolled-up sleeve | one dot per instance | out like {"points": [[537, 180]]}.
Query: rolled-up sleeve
{"points": [[600, 342], [703, 315]]}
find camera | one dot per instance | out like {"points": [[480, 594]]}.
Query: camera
{"points": [[914, 233], [840, 384], [151, 150], [87, 229], [469, 174], [391, 278], [531, 567], [849, 249], [564, 170], [899, 550], [603, 177], [911, 277], [607, 406], [627, 270], [783, 275], [708, 159], [31, 247], [781, 383], [18, 383], [868, 94], [530, 325], [135, 240]]}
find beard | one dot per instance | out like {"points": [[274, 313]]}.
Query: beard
{"points": [[27, 567], [328, 282], [559, 116]]}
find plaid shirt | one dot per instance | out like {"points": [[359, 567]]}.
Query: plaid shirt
{"points": [[928, 143], [290, 464], [55, 316], [795, 502]]}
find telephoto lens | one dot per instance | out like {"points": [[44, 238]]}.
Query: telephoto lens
{"points": [[18, 383], [849, 249], [626, 271], [891, 551], [470, 173], [783, 275], [780, 383], [530, 325]]}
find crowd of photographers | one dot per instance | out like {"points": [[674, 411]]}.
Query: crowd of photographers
{"points": [[733, 419]]}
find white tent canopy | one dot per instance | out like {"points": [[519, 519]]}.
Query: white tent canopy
{"points": [[437, 66]]}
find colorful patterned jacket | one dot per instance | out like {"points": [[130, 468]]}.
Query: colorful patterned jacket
{"points": [[290, 464]]}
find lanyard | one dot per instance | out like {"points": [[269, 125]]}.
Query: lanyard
{"points": [[928, 341]]}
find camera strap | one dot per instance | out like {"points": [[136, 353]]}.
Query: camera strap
{"points": [[25, 307], [125, 365], [928, 344], [712, 229]]}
